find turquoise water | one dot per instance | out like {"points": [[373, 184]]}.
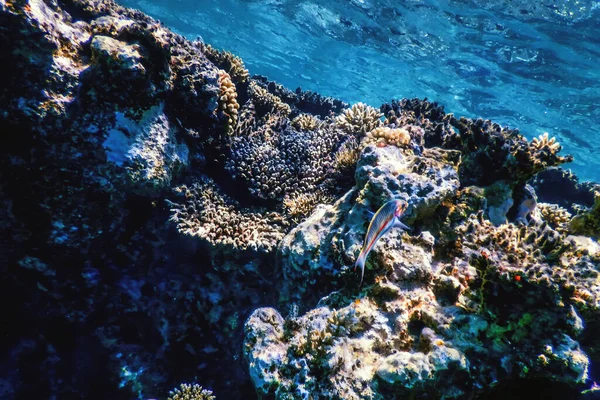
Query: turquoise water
{"points": [[534, 66]]}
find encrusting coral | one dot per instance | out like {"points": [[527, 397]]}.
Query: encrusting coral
{"points": [[190, 392]]}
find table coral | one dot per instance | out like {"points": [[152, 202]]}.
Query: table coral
{"points": [[209, 214]]}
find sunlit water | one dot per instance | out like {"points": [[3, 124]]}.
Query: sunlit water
{"points": [[534, 66]]}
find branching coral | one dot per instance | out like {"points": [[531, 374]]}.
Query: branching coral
{"points": [[232, 64], [303, 101], [556, 216], [300, 205], [544, 153], [359, 119], [306, 122], [535, 253], [228, 99], [190, 392], [490, 152], [207, 213], [266, 102], [347, 156]]}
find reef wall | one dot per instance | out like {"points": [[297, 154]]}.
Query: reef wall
{"points": [[159, 204]]}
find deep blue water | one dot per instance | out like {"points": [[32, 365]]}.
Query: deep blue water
{"points": [[534, 66]]}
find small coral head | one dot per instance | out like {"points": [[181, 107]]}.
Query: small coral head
{"points": [[401, 206]]}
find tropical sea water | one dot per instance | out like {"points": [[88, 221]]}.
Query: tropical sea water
{"points": [[530, 65]]}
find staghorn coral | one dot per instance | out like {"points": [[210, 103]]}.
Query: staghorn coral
{"points": [[557, 217], [190, 392], [359, 119], [588, 222], [306, 122], [227, 61], [228, 100], [207, 213]]}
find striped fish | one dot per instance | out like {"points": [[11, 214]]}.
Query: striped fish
{"points": [[387, 217]]}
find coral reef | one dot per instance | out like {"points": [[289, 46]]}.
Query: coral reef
{"points": [[557, 217], [431, 323], [230, 63], [388, 136], [154, 197], [228, 99]]}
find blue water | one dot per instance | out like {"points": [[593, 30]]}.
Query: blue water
{"points": [[534, 66]]}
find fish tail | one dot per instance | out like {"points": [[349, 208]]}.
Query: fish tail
{"points": [[360, 262]]}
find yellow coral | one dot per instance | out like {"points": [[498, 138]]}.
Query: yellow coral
{"points": [[359, 119], [190, 392], [228, 99], [306, 122], [399, 137], [544, 141], [347, 156]]}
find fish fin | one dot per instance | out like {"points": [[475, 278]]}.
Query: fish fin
{"points": [[399, 224], [370, 213], [360, 262]]}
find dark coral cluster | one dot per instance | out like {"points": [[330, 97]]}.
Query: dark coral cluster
{"points": [[279, 161]]}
